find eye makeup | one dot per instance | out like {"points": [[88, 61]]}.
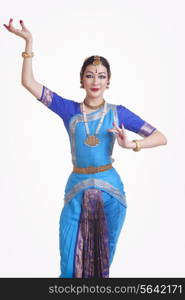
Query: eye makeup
{"points": [[100, 76]]}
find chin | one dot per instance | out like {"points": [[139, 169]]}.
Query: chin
{"points": [[94, 94]]}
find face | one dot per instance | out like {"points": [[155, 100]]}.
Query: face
{"points": [[95, 80]]}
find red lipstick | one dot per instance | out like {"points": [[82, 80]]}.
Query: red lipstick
{"points": [[94, 89]]}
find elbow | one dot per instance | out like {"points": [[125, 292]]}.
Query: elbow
{"points": [[163, 139], [24, 84], [27, 81]]}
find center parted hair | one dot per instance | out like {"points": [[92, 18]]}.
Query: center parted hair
{"points": [[94, 59]]}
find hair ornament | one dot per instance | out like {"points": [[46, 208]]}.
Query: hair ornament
{"points": [[97, 60]]}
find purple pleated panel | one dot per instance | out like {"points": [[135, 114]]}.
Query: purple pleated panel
{"points": [[92, 250]]}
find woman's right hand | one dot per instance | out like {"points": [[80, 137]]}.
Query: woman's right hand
{"points": [[24, 33]]}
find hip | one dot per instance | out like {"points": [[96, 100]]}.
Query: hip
{"points": [[108, 181]]}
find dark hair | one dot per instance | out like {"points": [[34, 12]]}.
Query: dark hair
{"points": [[89, 60]]}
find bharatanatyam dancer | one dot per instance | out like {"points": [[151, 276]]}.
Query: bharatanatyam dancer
{"points": [[94, 199]]}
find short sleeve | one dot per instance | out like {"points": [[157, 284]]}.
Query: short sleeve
{"points": [[133, 122], [63, 107]]}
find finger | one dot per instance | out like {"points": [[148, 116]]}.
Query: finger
{"points": [[116, 127], [117, 133], [23, 25], [113, 130], [11, 27], [10, 22], [123, 128], [119, 129], [119, 136], [6, 26]]}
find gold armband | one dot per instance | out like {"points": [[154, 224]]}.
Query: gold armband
{"points": [[138, 145], [26, 54]]}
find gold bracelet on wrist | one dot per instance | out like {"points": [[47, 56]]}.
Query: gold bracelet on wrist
{"points": [[26, 54], [138, 146]]}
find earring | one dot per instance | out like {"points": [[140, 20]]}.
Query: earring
{"points": [[108, 85], [81, 85]]}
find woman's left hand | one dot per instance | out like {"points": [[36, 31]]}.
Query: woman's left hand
{"points": [[121, 136]]}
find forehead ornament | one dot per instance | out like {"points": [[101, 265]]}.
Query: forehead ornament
{"points": [[97, 60]]}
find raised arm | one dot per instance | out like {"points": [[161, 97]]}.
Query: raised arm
{"points": [[27, 77]]}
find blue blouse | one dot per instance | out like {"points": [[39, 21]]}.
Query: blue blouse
{"points": [[66, 109]]}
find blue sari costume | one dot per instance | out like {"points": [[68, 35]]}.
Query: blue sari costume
{"points": [[94, 204]]}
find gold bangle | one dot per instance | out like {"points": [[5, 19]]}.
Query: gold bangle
{"points": [[138, 146], [26, 54]]}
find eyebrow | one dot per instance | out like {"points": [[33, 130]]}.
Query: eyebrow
{"points": [[93, 72]]}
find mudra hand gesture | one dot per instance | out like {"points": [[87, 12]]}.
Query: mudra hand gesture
{"points": [[121, 136], [24, 32]]}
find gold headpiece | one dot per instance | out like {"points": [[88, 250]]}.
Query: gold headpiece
{"points": [[97, 60]]}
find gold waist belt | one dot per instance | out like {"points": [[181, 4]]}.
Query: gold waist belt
{"points": [[91, 169]]}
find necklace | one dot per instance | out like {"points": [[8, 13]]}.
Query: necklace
{"points": [[92, 140], [92, 106]]}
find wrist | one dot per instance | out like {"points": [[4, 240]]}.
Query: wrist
{"points": [[29, 46], [133, 145], [137, 146], [29, 41]]}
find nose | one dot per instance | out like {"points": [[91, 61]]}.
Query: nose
{"points": [[95, 79]]}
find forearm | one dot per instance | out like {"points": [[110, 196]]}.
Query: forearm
{"points": [[155, 139], [27, 72]]}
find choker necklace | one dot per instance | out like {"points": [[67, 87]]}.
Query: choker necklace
{"points": [[93, 106], [92, 140]]}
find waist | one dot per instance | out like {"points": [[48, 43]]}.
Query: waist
{"points": [[92, 169]]}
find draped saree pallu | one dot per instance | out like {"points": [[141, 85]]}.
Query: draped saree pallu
{"points": [[94, 203], [92, 252]]}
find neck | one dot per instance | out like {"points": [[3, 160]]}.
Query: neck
{"points": [[93, 101]]}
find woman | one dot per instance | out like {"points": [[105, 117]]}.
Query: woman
{"points": [[94, 201]]}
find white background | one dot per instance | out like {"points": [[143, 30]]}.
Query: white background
{"points": [[144, 41]]}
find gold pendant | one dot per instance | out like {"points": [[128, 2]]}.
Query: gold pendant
{"points": [[92, 140]]}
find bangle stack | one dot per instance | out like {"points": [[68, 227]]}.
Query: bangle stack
{"points": [[138, 146], [26, 54]]}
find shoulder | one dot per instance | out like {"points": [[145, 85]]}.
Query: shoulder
{"points": [[64, 102], [120, 107], [59, 97], [116, 106]]}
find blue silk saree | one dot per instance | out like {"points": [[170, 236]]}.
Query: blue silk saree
{"points": [[94, 204]]}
